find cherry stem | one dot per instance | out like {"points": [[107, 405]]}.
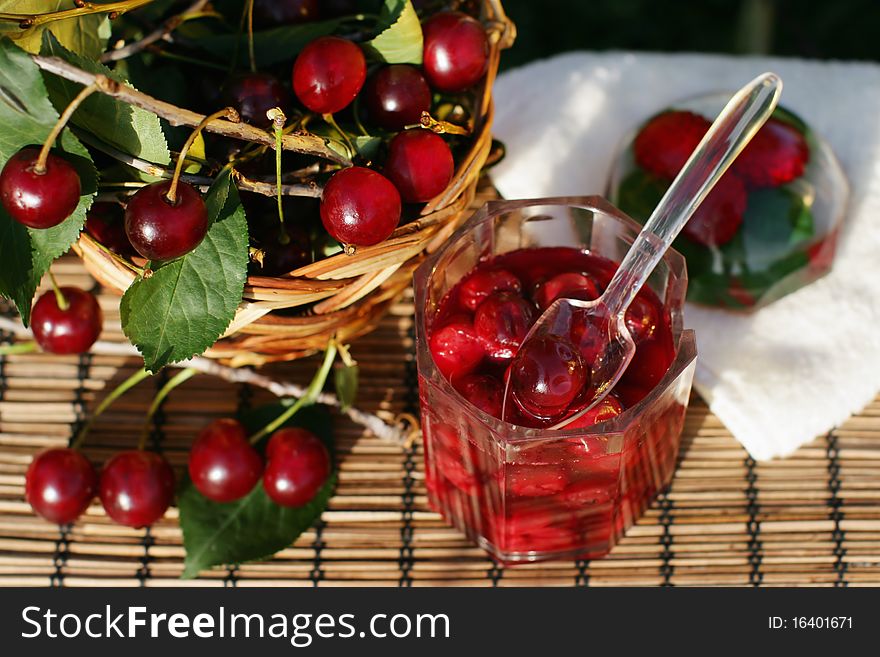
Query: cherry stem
{"points": [[309, 397], [227, 113], [439, 127], [181, 377], [329, 118], [83, 9], [250, 29], [40, 164], [59, 295], [18, 348], [120, 390], [278, 119]]}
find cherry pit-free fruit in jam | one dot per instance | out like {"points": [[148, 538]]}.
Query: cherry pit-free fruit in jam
{"points": [[566, 493]]}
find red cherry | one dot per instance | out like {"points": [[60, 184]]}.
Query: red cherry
{"points": [[137, 487], [360, 207], [456, 348], [501, 322], [607, 409], [328, 74], [649, 364], [641, 318], [568, 285], [456, 52], [720, 214], [39, 200], [776, 155], [60, 484], [396, 96], [590, 491], [483, 391], [419, 164], [268, 13], [223, 465], [106, 223], [69, 331], [161, 230], [253, 95], [547, 376], [482, 283], [667, 140], [298, 466]]}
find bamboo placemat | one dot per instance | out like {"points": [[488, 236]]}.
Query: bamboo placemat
{"points": [[812, 519]]}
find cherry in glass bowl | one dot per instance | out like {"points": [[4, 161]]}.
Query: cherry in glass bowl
{"points": [[771, 224], [520, 490]]}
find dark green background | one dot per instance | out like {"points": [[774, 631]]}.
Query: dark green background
{"points": [[829, 29]]}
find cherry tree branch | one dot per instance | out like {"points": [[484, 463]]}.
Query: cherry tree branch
{"points": [[307, 144], [26, 21], [160, 33], [400, 431]]}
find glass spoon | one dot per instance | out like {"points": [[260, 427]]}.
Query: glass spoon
{"points": [[738, 122]]}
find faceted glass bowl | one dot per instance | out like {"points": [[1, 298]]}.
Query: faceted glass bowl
{"points": [[533, 494], [788, 235]]}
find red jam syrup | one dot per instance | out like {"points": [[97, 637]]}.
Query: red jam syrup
{"points": [[551, 496]]}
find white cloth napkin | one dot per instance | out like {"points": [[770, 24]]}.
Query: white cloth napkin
{"points": [[799, 367]]}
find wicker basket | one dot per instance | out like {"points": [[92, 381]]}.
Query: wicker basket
{"points": [[347, 294]]}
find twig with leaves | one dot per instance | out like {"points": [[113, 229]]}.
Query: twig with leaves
{"points": [[161, 33], [401, 430]]}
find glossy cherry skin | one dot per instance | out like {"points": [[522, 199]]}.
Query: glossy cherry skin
{"points": [[70, 331], [456, 51], [223, 465], [419, 164], [547, 376], [456, 348], [60, 484], [268, 13], [568, 285], [137, 487], [607, 409], [396, 96], [253, 95], [483, 391], [360, 207], [482, 283], [39, 200], [161, 230], [298, 466], [328, 74], [501, 322], [106, 223]]}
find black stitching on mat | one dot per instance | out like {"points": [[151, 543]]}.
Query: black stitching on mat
{"points": [[583, 574], [756, 577], [411, 379], [317, 573], [667, 519], [837, 515], [147, 541]]}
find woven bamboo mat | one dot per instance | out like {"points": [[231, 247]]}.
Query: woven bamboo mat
{"points": [[812, 519]]}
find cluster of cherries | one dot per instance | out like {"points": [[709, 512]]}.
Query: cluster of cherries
{"points": [[481, 323], [777, 154], [136, 487]]}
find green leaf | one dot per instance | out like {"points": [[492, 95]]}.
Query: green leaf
{"points": [[27, 118], [85, 35], [400, 40], [130, 129], [367, 147], [279, 44], [253, 527], [775, 220], [189, 302], [639, 194], [345, 378]]}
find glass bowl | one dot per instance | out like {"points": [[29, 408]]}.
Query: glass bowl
{"points": [[776, 222], [478, 468]]}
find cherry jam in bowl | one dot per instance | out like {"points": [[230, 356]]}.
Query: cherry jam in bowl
{"points": [[522, 491]]}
